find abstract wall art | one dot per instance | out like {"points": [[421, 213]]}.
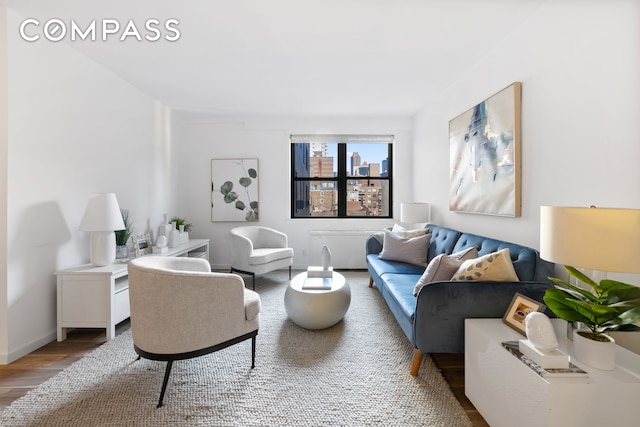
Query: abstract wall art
{"points": [[234, 190], [484, 159]]}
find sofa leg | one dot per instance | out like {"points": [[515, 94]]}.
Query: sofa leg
{"points": [[416, 362], [370, 282]]}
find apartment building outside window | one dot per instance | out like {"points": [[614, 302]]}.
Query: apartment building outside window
{"points": [[341, 176]]}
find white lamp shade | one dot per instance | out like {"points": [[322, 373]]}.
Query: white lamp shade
{"points": [[415, 213], [102, 213], [604, 239]]}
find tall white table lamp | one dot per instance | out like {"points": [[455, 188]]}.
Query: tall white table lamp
{"points": [[603, 239], [415, 213], [102, 217]]}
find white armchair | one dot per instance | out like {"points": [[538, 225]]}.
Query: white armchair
{"points": [[181, 310], [257, 250]]}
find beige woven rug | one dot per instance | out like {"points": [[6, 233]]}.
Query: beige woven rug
{"points": [[353, 374]]}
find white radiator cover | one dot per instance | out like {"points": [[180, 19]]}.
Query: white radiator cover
{"points": [[347, 247]]}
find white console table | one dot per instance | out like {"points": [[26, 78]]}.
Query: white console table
{"points": [[98, 297], [506, 392]]}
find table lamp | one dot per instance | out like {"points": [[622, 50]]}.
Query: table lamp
{"points": [[102, 217], [603, 239], [415, 213]]}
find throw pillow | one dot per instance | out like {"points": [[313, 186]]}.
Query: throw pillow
{"points": [[410, 250], [496, 266], [400, 230], [443, 266]]}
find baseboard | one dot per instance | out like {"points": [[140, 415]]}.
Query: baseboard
{"points": [[16, 354]]}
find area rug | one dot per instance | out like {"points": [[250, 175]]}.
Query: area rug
{"points": [[355, 373]]}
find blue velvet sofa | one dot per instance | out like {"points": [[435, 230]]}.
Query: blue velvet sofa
{"points": [[434, 320]]}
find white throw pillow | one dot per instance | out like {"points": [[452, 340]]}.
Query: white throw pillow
{"points": [[410, 250], [496, 266], [442, 267], [403, 232]]}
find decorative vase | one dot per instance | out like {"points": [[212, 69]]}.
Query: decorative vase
{"points": [[174, 236], [122, 251], [325, 257], [165, 227], [597, 354]]}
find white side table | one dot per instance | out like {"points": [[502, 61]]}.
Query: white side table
{"points": [[314, 308], [98, 297], [508, 393]]}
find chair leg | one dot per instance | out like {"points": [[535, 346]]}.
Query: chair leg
{"points": [[289, 272], [253, 281], [164, 383], [253, 352]]}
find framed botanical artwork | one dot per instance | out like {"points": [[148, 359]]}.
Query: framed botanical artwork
{"points": [[142, 244], [234, 190], [518, 309], [484, 158]]}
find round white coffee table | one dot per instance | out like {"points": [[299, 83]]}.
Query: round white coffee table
{"points": [[317, 308]]}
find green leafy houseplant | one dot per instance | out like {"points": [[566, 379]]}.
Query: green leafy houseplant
{"points": [[181, 221], [122, 236], [609, 306]]}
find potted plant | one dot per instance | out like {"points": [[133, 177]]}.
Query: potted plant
{"points": [[122, 236], [181, 221], [609, 306]]}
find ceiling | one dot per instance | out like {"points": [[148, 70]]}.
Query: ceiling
{"points": [[291, 57]]}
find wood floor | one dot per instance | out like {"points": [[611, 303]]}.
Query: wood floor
{"points": [[17, 378]]}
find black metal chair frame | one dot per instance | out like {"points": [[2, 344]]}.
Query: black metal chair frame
{"points": [[170, 358], [253, 275]]}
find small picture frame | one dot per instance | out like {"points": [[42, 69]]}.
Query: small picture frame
{"points": [[142, 244], [518, 309]]}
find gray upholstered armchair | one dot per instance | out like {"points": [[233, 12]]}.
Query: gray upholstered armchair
{"points": [[181, 310], [257, 250]]}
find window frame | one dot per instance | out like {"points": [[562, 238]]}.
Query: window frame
{"points": [[342, 177]]}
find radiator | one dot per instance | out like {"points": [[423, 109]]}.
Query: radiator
{"points": [[347, 247]]}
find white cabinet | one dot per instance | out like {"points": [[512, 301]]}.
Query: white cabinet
{"points": [[506, 392], [98, 297]]}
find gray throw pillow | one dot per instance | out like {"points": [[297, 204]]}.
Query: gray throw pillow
{"points": [[412, 250], [442, 267]]}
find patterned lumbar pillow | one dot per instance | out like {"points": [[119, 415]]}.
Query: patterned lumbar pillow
{"points": [[442, 267], [496, 266], [412, 250]]}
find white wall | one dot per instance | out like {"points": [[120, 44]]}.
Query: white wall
{"points": [[579, 66], [74, 128], [204, 138]]}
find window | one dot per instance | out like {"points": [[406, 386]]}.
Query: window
{"points": [[341, 176]]}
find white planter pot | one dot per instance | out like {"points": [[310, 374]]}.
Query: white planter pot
{"points": [[597, 354]]}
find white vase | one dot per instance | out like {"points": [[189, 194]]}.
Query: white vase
{"points": [[597, 354]]}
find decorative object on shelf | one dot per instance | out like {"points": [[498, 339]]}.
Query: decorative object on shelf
{"points": [[415, 213], [234, 190], [165, 228], [142, 244], [485, 156], [181, 224], [541, 344], [519, 307], [122, 236], [102, 217], [540, 331], [161, 246], [567, 236], [174, 235]]}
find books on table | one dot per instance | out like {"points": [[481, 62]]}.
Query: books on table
{"points": [[319, 283]]}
